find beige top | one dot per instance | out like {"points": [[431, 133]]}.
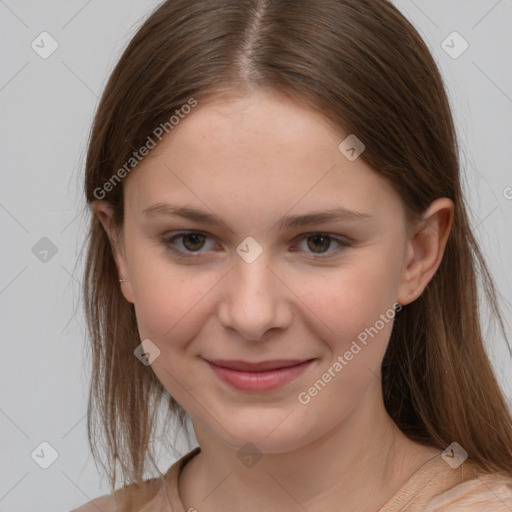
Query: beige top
{"points": [[434, 487]]}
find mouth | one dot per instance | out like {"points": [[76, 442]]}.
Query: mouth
{"points": [[258, 377]]}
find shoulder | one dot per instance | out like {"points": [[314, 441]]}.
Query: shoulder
{"points": [[104, 503], [125, 499], [489, 492], [154, 493]]}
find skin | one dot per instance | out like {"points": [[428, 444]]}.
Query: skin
{"points": [[251, 160]]}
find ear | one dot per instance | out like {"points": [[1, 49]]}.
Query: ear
{"points": [[104, 211], [426, 243]]}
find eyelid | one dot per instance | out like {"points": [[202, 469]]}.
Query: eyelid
{"points": [[170, 237], [342, 241]]}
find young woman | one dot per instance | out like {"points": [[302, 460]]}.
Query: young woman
{"points": [[280, 249]]}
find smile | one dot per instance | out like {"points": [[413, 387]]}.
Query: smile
{"points": [[258, 377]]}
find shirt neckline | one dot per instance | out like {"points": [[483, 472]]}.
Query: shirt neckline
{"points": [[409, 489], [432, 468]]}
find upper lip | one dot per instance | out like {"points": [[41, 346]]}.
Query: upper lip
{"points": [[257, 367]]}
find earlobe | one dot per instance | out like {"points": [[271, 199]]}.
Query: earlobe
{"points": [[425, 249]]}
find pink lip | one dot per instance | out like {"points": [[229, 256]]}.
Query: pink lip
{"points": [[264, 376]]}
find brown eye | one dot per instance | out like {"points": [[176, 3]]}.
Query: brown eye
{"points": [[188, 243], [193, 241], [319, 243], [322, 245]]}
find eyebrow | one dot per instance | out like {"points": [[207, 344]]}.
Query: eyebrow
{"points": [[287, 221]]}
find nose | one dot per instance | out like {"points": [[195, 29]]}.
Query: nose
{"points": [[255, 300]]}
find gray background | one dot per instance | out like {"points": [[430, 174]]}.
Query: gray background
{"points": [[47, 107]]}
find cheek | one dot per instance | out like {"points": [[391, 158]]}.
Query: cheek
{"points": [[172, 308], [359, 310], [354, 309], [171, 300], [349, 299]]}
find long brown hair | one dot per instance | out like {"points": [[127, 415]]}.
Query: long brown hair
{"points": [[365, 67]]}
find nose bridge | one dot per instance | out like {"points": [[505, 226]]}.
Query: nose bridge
{"points": [[255, 300]]}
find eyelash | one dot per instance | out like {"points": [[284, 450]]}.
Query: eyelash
{"points": [[168, 243]]}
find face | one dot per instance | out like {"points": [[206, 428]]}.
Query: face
{"points": [[265, 284]]}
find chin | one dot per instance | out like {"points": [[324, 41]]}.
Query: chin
{"points": [[267, 431]]}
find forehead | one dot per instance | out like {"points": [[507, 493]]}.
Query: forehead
{"points": [[258, 152]]}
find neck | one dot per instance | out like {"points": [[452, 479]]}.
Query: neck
{"points": [[357, 465]]}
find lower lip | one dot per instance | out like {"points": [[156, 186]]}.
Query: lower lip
{"points": [[259, 381]]}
